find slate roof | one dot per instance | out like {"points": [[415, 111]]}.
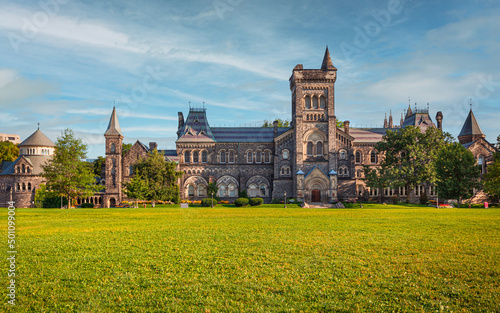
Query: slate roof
{"points": [[171, 155], [368, 135], [37, 139], [35, 160], [196, 127], [246, 134], [114, 125], [420, 119], [471, 126]]}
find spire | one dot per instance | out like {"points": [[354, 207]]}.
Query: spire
{"points": [[327, 61], [409, 112], [114, 125], [471, 131], [385, 121], [391, 124], [402, 120]]}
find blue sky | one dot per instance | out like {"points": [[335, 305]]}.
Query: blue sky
{"points": [[63, 62]]}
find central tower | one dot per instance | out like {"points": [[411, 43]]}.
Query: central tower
{"points": [[313, 116]]}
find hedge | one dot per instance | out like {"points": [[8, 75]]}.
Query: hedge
{"points": [[241, 202], [87, 205], [256, 201], [207, 202]]}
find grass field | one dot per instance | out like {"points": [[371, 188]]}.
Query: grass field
{"points": [[256, 259]]}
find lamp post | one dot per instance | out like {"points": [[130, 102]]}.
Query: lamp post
{"points": [[285, 199], [212, 199]]}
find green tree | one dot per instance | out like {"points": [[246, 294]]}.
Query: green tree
{"points": [[48, 199], [66, 173], [281, 123], [126, 147], [137, 188], [97, 165], [376, 177], [8, 151], [212, 188], [408, 156], [457, 172], [159, 176], [492, 179], [340, 124]]}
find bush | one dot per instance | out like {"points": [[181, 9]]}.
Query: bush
{"points": [[275, 201], [242, 194], [241, 202], [256, 201], [207, 202], [423, 198], [87, 205]]}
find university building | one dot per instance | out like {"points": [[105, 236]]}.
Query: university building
{"points": [[313, 160]]}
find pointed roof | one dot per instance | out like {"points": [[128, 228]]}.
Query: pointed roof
{"points": [[409, 112], [327, 61], [471, 126], [37, 139], [114, 125], [196, 127]]}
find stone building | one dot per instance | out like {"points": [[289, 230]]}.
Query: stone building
{"points": [[20, 179], [313, 160]]}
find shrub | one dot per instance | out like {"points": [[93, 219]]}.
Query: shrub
{"points": [[87, 205], [241, 202], [423, 198], [256, 201], [242, 194], [207, 202], [275, 201]]}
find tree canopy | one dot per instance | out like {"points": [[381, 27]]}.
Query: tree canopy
{"points": [[408, 156], [281, 123], [154, 179], [66, 173], [492, 179], [457, 172], [97, 165], [8, 151]]}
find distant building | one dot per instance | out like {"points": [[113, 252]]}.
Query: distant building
{"points": [[15, 139]]}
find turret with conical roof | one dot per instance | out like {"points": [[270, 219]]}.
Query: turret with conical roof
{"points": [[327, 61], [113, 167], [471, 131], [114, 125]]}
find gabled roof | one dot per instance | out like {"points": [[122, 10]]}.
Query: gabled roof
{"points": [[471, 126], [312, 170], [34, 160], [114, 125], [37, 139]]}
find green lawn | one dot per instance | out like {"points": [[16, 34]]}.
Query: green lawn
{"points": [[256, 259]]}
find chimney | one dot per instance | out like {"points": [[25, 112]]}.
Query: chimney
{"points": [[153, 146], [439, 120], [346, 127], [275, 124]]}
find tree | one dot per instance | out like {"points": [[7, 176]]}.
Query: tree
{"points": [[281, 123], [157, 175], [97, 165], [137, 188], [66, 173], [492, 179], [376, 177], [126, 147], [8, 151], [457, 172], [212, 188], [409, 154]]}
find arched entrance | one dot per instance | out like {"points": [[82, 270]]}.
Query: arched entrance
{"points": [[316, 195], [112, 202]]}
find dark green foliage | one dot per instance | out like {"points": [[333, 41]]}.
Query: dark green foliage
{"points": [[423, 198], [97, 165], [241, 202], [256, 201], [87, 205], [275, 201], [212, 189], [457, 172], [155, 179], [394, 199], [281, 123], [66, 173], [492, 179], [48, 199], [177, 198], [8, 151], [126, 147], [242, 194], [207, 202]]}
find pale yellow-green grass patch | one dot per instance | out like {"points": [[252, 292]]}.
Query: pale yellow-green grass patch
{"points": [[256, 259]]}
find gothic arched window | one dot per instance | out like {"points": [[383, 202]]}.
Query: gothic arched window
{"points": [[231, 156], [204, 156], [191, 191], [258, 157], [308, 102], [196, 157], [222, 155], [358, 157], [310, 148], [187, 157], [319, 148], [112, 148], [249, 157], [315, 102], [373, 157], [322, 102], [480, 162], [267, 157], [285, 154], [343, 154]]}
